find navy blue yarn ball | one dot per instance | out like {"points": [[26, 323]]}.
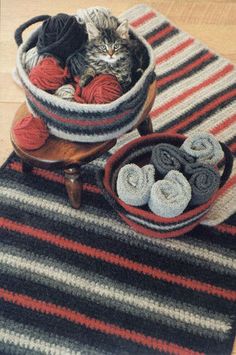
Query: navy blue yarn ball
{"points": [[60, 36]]}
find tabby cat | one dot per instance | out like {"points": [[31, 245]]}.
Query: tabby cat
{"points": [[108, 52]]}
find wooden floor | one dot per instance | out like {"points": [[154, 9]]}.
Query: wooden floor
{"points": [[213, 22]]}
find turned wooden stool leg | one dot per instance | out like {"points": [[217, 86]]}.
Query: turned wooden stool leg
{"points": [[145, 127], [73, 186], [26, 167]]}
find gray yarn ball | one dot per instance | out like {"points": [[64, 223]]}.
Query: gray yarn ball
{"points": [[30, 59], [66, 92], [101, 17]]}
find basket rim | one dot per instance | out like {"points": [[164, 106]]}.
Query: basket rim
{"points": [[150, 216], [74, 106], [156, 234]]}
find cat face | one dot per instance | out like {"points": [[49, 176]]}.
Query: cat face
{"points": [[108, 44]]}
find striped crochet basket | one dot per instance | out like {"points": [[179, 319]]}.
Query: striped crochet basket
{"points": [[143, 221], [85, 122]]}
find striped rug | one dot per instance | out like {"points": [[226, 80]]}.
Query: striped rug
{"points": [[82, 282]]}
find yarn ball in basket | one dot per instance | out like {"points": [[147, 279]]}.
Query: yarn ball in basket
{"points": [[30, 132], [31, 58], [104, 88], [60, 36], [66, 92], [48, 74], [100, 16]]}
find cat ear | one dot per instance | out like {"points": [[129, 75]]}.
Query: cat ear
{"points": [[92, 30], [123, 30]]}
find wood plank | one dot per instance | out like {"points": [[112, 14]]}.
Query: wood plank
{"points": [[7, 112]]}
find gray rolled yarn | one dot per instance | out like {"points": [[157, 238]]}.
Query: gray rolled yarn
{"points": [[134, 184], [204, 181], [131, 158], [204, 148], [170, 197], [166, 157]]}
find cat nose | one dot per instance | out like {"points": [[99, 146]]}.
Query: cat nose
{"points": [[110, 52]]}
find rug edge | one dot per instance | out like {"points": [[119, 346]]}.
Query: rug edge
{"points": [[3, 166]]}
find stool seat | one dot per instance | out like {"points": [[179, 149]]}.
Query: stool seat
{"points": [[62, 154], [59, 153]]}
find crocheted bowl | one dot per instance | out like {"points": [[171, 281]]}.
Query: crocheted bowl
{"points": [[87, 122], [144, 221]]}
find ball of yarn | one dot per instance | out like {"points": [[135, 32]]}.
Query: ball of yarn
{"points": [[60, 36], [100, 16], [48, 74], [78, 95], [66, 92], [30, 132], [31, 58], [104, 88], [76, 64]]}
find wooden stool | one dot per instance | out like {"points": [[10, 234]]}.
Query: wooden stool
{"points": [[69, 156]]}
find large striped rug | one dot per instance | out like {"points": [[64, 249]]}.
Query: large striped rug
{"points": [[82, 282]]}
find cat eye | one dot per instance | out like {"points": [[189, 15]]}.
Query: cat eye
{"points": [[103, 48], [116, 46]]}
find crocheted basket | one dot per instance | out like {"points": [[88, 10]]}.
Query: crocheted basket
{"points": [[87, 122], [143, 221]]}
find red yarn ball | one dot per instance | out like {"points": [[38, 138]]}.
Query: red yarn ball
{"points": [[30, 132], [48, 74], [78, 94], [104, 88]]}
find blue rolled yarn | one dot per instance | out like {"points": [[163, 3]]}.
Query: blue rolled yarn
{"points": [[203, 178], [60, 36], [166, 157], [204, 181]]}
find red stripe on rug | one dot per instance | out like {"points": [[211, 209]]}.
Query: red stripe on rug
{"points": [[212, 105], [160, 34], [92, 323], [223, 125], [176, 100], [51, 176], [184, 70], [141, 20], [116, 259], [226, 228], [171, 53]]}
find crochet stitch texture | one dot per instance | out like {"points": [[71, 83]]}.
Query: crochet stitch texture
{"points": [[82, 281]]}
